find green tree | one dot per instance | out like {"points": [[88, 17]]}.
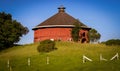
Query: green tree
{"points": [[10, 30], [113, 42], [75, 31], [94, 35]]}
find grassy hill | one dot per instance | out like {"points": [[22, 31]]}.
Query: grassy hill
{"points": [[67, 57]]}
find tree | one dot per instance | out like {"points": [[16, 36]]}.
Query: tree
{"points": [[94, 35], [75, 31], [10, 30], [113, 42]]}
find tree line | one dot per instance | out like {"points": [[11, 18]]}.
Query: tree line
{"points": [[112, 42]]}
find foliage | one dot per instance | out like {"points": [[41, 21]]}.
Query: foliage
{"points": [[46, 46], [10, 30], [113, 42], [75, 31], [94, 35]]}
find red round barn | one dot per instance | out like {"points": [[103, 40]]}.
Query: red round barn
{"points": [[58, 27]]}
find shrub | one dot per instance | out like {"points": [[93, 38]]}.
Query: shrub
{"points": [[113, 42], [46, 46], [75, 31]]}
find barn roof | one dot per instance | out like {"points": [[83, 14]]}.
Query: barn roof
{"points": [[61, 19]]}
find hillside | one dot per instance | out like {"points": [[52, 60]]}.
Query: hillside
{"points": [[67, 57]]}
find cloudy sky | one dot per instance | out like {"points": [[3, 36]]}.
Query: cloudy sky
{"points": [[103, 15]]}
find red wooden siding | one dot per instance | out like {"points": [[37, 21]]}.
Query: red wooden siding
{"points": [[63, 34]]}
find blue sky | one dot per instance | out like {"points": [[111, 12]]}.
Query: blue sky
{"points": [[103, 15]]}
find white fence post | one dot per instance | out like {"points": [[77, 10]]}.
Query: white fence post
{"points": [[101, 58], [86, 58], [47, 60], [8, 63], [10, 68], [115, 56], [29, 61]]}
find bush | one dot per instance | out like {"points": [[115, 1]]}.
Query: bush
{"points": [[113, 42], [46, 46]]}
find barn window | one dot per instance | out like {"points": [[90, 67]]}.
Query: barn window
{"points": [[84, 34]]}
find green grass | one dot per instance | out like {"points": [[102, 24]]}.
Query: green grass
{"points": [[68, 57]]}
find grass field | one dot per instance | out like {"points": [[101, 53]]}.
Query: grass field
{"points": [[67, 57]]}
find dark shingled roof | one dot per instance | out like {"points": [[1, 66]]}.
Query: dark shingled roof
{"points": [[61, 19]]}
